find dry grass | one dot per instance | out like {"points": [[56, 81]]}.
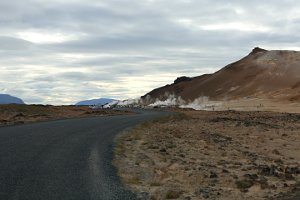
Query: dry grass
{"points": [[213, 155]]}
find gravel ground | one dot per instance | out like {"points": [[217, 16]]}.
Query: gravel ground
{"points": [[213, 155]]}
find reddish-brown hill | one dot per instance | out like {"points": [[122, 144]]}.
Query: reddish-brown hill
{"points": [[270, 74]]}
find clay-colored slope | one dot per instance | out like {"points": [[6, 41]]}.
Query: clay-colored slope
{"points": [[268, 74]]}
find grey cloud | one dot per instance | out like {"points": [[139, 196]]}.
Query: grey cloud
{"points": [[10, 43], [115, 42], [82, 77]]}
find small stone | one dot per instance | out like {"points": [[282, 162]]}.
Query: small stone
{"points": [[213, 175], [292, 170], [268, 170], [289, 176], [163, 150], [182, 155], [251, 176], [235, 176], [275, 151], [278, 161]]}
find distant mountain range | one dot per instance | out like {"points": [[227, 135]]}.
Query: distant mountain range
{"points": [[8, 99], [264, 74], [101, 101]]}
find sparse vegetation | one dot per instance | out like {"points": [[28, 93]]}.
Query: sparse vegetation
{"points": [[155, 184], [213, 155], [17, 114], [171, 194], [134, 181], [244, 184]]}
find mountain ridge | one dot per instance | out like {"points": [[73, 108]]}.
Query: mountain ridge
{"points": [[8, 99], [91, 102], [271, 74]]}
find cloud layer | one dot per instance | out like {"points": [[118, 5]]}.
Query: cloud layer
{"points": [[59, 53]]}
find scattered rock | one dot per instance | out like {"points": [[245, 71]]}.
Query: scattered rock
{"points": [[268, 170], [163, 150], [244, 184], [19, 115], [263, 182], [275, 151], [171, 194], [213, 175], [251, 176], [210, 156], [292, 170]]}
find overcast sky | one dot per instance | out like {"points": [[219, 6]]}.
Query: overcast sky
{"points": [[60, 52]]}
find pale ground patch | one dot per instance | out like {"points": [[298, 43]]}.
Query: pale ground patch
{"points": [[247, 104]]}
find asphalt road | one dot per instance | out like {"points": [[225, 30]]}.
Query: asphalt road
{"points": [[66, 159]]}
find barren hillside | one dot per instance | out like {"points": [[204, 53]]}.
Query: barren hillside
{"points": [[265, 74]]}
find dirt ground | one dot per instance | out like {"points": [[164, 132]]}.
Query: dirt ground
{"points": [[250, 104], [213, 155], [20, 114]]}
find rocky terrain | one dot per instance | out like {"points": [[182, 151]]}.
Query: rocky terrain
{"points": [[213, 155], [20, 114]]}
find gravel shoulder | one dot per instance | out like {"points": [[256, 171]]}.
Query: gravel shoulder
{"points": [[213, 155]]}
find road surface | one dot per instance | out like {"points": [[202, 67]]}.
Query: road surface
{"points": [[66, 159]]}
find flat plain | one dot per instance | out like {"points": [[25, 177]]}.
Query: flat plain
{"points": [[20, 114], [213, 155]]}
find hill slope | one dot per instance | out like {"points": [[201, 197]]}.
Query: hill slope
{"points": [[269, 74], [101, 101], [8, 99]]}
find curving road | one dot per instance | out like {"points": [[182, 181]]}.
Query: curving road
{"points": [[66, 159]]}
